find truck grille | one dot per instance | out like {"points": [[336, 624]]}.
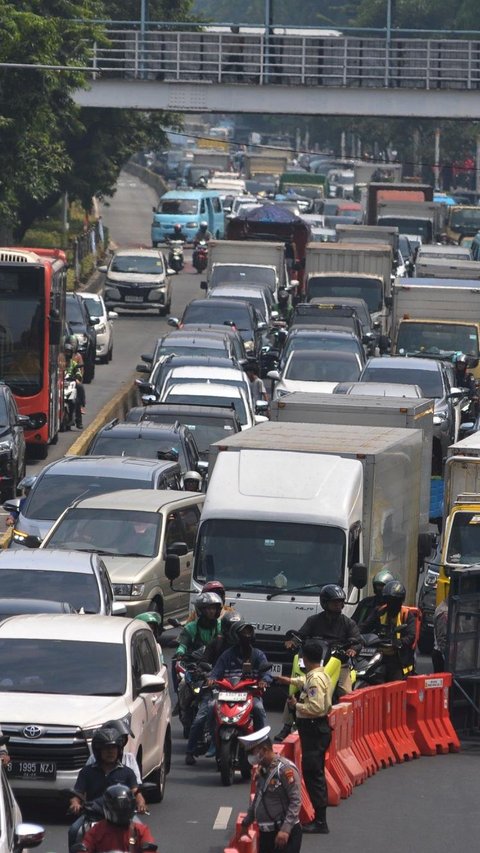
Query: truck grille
{"points": [[66, 746], [274, 648]]}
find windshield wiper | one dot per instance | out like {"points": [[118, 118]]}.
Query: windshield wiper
{"points": [[293, 589]]}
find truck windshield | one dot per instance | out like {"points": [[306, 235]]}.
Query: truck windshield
{"points": [[409, 225], [58, 666], [437, 338], [371, 290], [464, 542], [466, 220], [266, 555], [241, 274]]}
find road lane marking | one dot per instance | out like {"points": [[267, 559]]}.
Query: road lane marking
{"points": [[223, 817]]}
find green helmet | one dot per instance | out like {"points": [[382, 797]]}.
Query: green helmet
{"points": [[153, 619], [380, 579]]}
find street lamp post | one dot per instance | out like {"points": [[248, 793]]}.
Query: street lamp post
{"points": [[143, 30]]}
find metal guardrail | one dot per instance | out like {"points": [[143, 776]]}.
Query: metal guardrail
{"points": [[288, 60]]}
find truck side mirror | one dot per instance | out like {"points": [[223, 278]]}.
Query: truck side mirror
{"points": [[359, 575], [388, 302], [172, 567]]}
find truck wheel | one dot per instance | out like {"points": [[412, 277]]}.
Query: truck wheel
{"points": [[227, 769]]}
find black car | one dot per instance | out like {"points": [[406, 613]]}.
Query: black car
{"points": [[238, 314], [12, 443], [188, 342], [151, 389], [311, 314], [83, 327], [208, 424], [148, 440]]}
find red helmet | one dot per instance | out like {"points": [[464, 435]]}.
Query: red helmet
{"points": [[215, 586]]}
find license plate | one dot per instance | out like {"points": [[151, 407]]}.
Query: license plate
{"points": [[31, 770], [134, 299], [232, 697], [276, 669]]}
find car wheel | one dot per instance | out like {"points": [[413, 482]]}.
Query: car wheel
{"points": [[159, 776], [110, 353]]}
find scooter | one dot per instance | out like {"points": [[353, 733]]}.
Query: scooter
{"points": [[192, 675], [333, 658], [370, 666], [200, 256], [233, 707], [69, 403], [175, 255]]}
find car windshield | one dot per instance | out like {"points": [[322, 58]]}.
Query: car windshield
{"points": [[182, 206], [59, 666], [173, 396], [304, 343], [78, 588], [242, 275], [54, 492], [140, 447], [464, 542], [141, 264], [430, 381], [74, 312], [94, 307], [126, 533], [269, 554], [303, 367], [208, 311], [208, 430], [437, 339], [371, 290], [255, 300]]}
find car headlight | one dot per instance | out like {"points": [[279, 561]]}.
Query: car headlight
{"points": [[192, 225], [156, 294], [6, 445], [100, 328], [130, 590]]}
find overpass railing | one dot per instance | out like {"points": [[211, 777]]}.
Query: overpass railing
{"points": [[253, 58]]}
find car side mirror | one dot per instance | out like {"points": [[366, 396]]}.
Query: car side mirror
{"points": [[103, 268], [147, 358], [170, 271], [261, 407], [143, 368], [180, 549], [28, 835], [112, 315], [143, 386], [203, 285], [202, 467], [273, 374], [31, 541], [174, 322], [388, 302], [37, 420], [152, 684], [118, 609], [154, 209], [359, 575], [172, 567], [94, 321], [12, 505], [261, 325]]}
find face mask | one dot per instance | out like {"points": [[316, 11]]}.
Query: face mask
{"points": [[253, 758]]}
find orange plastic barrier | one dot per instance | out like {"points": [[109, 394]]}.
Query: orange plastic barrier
{"points": [[427, 713], [344, 738], [294, 753], [397, 731], [373, 709], [244, 840], [360, 746], [333, 761]]}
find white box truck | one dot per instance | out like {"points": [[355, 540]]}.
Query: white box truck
{"points": [[436, 317], [242, 261], [306, 408], [291, 507], [361, 270], [461, 510]]}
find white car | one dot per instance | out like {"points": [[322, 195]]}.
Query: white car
{"points": [[138, 279], [15, 836], [103, 325], [214, 394], [317, 371], [212, 375], [61, 678]]}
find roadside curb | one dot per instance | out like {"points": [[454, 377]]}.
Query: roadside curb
{"points": [[117, 407]]}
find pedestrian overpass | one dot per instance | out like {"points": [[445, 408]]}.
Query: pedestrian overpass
{"points": [[303, 72]]}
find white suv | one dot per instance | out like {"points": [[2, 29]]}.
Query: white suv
{"points": [[63, 676], [103, 321], [138, 279]]}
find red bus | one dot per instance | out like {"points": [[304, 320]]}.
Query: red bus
{"points": [[32, 325]]}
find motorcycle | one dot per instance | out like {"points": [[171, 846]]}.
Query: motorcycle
{"points": [[69, 403], [333, 658], [192, 675], [175, 255], [200, 256], [233, 707], [92, 812], [370, 666]]}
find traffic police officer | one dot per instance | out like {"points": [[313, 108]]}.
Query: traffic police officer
{"points": [[277, 800], [311, 709]]}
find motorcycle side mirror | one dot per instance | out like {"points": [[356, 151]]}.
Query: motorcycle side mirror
{"points": [[359, 575]]}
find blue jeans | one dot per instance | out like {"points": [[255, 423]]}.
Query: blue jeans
{"points": [[259, 715], [204, 716]]}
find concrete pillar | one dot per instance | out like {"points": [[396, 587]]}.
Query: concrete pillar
{"points": [[436, 168], [477, 166]]}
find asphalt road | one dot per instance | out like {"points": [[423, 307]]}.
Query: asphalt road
{"points": [[429, 804]]}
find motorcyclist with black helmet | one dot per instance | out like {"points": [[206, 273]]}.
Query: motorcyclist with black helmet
{"points": [[397, 624], [283, 307], [332, 626], [465, 379], [367, 606], [74, 372], [93, 780], [127, 758], [118, 830]]}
